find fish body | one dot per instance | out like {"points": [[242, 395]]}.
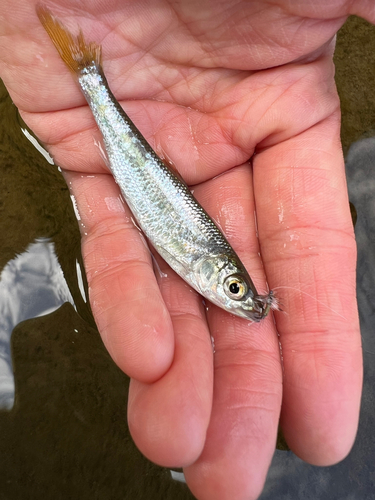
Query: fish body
{"points": [[171, 218]]}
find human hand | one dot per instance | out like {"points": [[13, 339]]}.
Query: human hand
{"points": [[209, 85]]}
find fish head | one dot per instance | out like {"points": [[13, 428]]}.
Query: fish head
{"points": [[224, 281]]}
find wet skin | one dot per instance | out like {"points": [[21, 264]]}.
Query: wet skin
{"points": [[209, 84]]}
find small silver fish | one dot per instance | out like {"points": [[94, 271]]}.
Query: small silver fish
{"points": [[174, 222]]}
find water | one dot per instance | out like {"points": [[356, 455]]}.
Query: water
{"points": [[65, 433]]}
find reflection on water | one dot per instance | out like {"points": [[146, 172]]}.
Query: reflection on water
{"points": [[178, 476], [38, 146], [32, 284]]}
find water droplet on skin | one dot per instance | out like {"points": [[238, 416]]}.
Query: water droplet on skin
{"points": [[193, 139], [135, 224], [75, 207], [157, 268], [213, 344], [115, 205], [256, 224], [101, 152]]}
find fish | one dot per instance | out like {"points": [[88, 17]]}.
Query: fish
{"points": [[176, 225]]}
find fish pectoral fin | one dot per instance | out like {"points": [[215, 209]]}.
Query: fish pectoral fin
{"points": [[179, 267]]}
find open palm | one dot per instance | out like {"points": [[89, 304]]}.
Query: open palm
{"points": [[209, 84]]}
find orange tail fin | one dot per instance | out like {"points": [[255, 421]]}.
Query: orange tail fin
{"points": [[74, 51]]}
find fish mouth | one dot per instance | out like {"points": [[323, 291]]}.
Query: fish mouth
{"points": [[262, 305]]}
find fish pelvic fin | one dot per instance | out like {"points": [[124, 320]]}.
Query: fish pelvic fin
{"points": [[73, 50]]}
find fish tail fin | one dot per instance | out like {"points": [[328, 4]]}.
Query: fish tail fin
{"points": [[74, 51]]}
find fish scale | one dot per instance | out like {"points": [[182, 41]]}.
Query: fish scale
{"points": [[163, 206]]}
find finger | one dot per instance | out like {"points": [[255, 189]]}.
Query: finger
{"points": [[308, 245], [169, 418], [247, 371], [128, 308]]}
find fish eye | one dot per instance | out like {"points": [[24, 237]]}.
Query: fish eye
{"points": [[235, 287]]}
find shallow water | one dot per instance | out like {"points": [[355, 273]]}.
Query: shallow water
{"points": [[66, 434]]}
